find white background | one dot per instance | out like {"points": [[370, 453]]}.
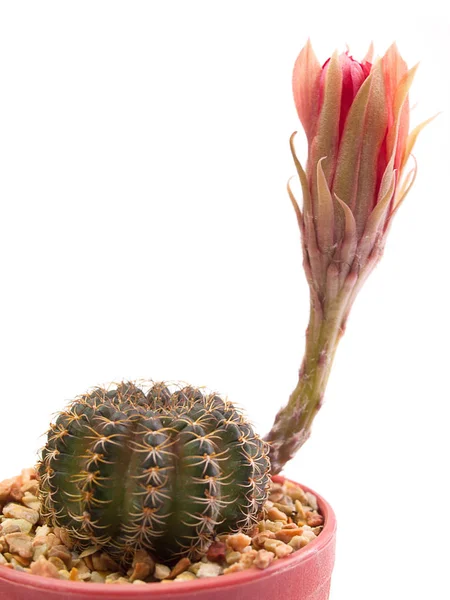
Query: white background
{"points": [[145, 231]]}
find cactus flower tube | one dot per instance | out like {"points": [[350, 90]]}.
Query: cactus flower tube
{"points": [[356, 120]]}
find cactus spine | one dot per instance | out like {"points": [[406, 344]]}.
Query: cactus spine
{"points": [[162, 469]]}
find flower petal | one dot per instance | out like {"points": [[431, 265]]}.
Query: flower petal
{"points": [[400, 196], [325, 142], [347, 167], [297, 209], [302, 175], [397, 135], [353, 76], [374, 225], [369, 54], [305, 85], [323, 211], [394, 68], [412, 137], [405, 188], [373, 135], [313, 257], [349, 241]]}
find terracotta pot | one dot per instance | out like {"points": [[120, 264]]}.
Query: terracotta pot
{"points": [[305, 575]]}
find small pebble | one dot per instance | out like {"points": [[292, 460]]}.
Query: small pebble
{"points": [[300, 512], [313, 519], [186, 576], [141, 570], [112, 577], [64, 574], [18, 563], [161, 571], [14, 525], [234, 568], [283, 550], [83, 572], [309, 534], [54, 560], [195, 567], [238, 541], [312, 500], [63, 535], [31, 501], [247, 558], [296, 492], [287, 509], [62, 553], [275, 514], [260, 538], [20, 543], [182, 565], [286, 535], [40, 550], [42, 531], [232, 557], [270, 545], [216, 552], [209, 570], [272, 526], [263, 559], [44, 568], [17, 511], [102, 562], [299, 541]]}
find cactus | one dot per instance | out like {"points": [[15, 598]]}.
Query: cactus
{"points": [[160, 469]]}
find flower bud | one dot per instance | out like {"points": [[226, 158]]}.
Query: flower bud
{"points": [[356, 119]]}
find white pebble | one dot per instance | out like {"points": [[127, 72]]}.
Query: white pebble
{"points": [[312, 500], [309, 534], [12, 525], [18, 511], [209, 569], [161, 571], [42, 530]]}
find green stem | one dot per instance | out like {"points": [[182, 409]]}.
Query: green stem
{"points": [[293, 422]]}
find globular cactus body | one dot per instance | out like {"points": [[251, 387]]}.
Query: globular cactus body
{"points": [[126, 469]]}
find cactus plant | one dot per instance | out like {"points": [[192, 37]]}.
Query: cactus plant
{"points": [[161, 469]]}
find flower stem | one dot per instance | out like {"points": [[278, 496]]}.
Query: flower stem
{"points": [[292, 424]]}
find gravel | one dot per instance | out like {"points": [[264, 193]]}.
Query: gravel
{"points": [[289, 521]]}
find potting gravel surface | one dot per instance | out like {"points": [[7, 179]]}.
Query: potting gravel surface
{"points": [[290, 520]]}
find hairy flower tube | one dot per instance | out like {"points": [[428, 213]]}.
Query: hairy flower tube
{"points": [[356, 120]]}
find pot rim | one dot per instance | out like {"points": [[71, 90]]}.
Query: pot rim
{"points": [[101, 590]]}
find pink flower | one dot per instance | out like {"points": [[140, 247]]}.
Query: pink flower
{"points": [[356, 119]]}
